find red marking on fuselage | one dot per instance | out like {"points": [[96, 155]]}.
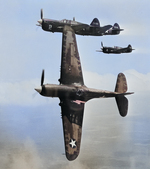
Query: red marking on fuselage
{"points": [[78, 101]]}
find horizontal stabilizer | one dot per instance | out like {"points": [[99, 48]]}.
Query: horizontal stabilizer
{"points": [[121, 100], [121, 84], [122, 103]]}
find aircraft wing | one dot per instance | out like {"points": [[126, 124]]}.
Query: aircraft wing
{"points": [[71, 71], [72, 110], [72, 117], [119, 50]]}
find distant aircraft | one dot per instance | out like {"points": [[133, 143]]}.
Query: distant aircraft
{"points": [[73, 94], [93, 29], [115, 49]]}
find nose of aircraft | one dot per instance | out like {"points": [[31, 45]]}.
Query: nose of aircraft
{"points": [[39, 89], [40, 21]]}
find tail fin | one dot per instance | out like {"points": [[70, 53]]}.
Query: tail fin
{"points": [[116, 29], [116, 26], [95, 23], [121, 100], [130, 48]]}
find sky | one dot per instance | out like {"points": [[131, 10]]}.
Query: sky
{"points": [[31, 134]]}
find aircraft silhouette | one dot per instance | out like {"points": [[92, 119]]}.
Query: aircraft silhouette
{"points": [[115, 49], [94, 29], [73, 94]]}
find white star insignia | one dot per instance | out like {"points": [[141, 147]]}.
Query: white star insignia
{"points": [[72, 143]]}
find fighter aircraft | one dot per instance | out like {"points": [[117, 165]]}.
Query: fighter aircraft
{"points": [[73, 94], [115, 49], [94, 29]]}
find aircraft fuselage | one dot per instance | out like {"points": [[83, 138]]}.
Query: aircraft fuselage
{"points": [[73, 92], [56, 26], [116, 51], [79, 28]]}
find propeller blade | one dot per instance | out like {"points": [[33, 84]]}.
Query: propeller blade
{"points": [[42, 78], [41, 13]]}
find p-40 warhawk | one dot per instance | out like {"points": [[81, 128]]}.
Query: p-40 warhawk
{"points": [[93, 29], [73, 94], [115, 49]]}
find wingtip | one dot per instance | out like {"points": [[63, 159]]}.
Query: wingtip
{"points": [[71, 157]]}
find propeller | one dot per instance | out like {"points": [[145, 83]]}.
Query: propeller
{"points": [[42, 78], [41, 13], [101, 48], [39, 89], [40, 20]]}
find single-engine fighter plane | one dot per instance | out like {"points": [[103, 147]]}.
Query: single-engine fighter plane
{"points": [[73, 94], [94, 29], [115, 49]]}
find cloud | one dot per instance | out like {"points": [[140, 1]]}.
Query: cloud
{"points": [[109, 141], [23, 93], [15, 155], [107, 138], [137, 81]]}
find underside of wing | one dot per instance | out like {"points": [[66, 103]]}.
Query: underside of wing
{"points": [[117, 51], [71, 71], [72, 117]]}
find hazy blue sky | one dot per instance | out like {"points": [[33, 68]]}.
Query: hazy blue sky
{"points": [[31, 133]]}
